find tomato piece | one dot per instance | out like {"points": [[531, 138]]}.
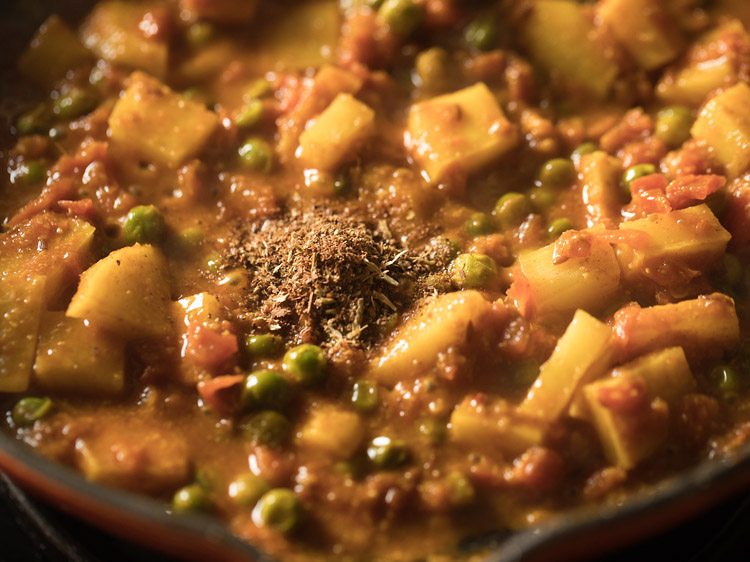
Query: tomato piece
{"points": [[688, 189], [209, 347]]}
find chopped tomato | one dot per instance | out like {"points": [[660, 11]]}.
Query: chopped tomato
{"points": [[686, 190], [209, 347], [221, 394]]}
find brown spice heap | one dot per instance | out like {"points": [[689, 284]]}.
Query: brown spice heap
{"points": [[326, 276]]}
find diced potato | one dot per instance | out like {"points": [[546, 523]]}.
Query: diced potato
{"points": [[133, 455], [443, 322], [336, 134], [494, 427], [691, 237], [646, 31], [202, 308], [126, 293], [582, 354], [76, 358], [600, 188], [152, 122], [48, 245], [53, 51], [21, 305], [705, 327], [112, 32], [224, 11], [692, 84], [463, 131], [553, 292], [560, 36], [628, 436], [333, 432], [724, 124]]}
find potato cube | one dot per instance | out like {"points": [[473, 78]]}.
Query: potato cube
{"points": [[79, 359], [336, 134], [224, 11], [332, 431], [724, 124], [560, 37], [647, 32], [693, 83], [463, 131], [21, 305], [53, 51], [126, 293], [112, 31], [152, 122]]}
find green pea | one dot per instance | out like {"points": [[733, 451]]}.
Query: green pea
{"points": [[432, 67], [365, 396], [191, 237], [511, 209], [636, 172], [200, 34], [191, 498], [461, 491], [251, 114], [266, 390], [247, 489], [543, 197], [74, 103], [582, 150], [402, 16], [30, 172], [263, 346], [307, 363], [30, 409], [479, 224], [267, 428], [673, 125], [558, 226], [35, 121], [256, 154], [279, 509], [434, 430], [481, 34], [143, 225], [558, 172], [525, 373], [726, 379], [473, 271], [386, 453]]}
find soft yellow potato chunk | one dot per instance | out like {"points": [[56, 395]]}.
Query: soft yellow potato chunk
{"points": [[560, 37], [21, 305], [582, 354], [152, 122], [463, 131], [441, 323], [76, 358], [332, 431], [646, 31], [53, 51], [112, 31], [126, 293], [224, 11], [336, 134], [724, 124]]}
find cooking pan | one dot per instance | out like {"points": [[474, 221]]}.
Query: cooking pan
{"points": [[579, 535]]}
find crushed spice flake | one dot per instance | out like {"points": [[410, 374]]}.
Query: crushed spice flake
{"points": [[330, 276]]}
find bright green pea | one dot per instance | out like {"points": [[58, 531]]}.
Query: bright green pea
{"points": [[30, 172], [511, 209], [558, 172], [251, 114], [256, 154], [434, 430], [267, 428], [461, 491], [543, 197], [30, 409], [266, 390], [279, 509], [432, 67], [263, 346], [191, 498], [558, 226], [35, 121], [200, 34], [74, 103], [479, 224], [247, 489], [402, 16], [673, 125], [307, 363], [473, 271], [365, 396], [386, 453], [636, 172], [481, 34], [143, 225], [726, 379], [582, 150]]}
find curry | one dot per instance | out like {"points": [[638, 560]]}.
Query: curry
{"points": [[368, 279]]}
